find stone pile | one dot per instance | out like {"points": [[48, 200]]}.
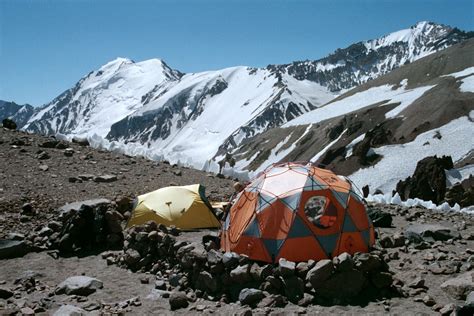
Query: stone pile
{"points": [[204, 272], [91, 225], [148, 247]]}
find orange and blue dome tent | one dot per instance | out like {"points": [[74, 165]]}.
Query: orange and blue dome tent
{"points": [[298, 212]]}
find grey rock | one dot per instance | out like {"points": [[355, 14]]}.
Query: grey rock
{"points": [[79, 285], [15, 236], [42, 155], [286, 268], [398, 239], [417, 283], [43, 167], [214, 256], [294, 288], [430, 232], [250, 296], [381, 279], [160, 285], [429, 301], [113, 219], [80, 141], [70, 310], [306, 300], [460, 286], [76, 206], [379, 217], [342, 285], [178, 300], [68, 152], [207, 281], [302, 269], [106, 178], [320, 272], [273, 300], [240, 274], [230, 259], [86, 176], [344, 262], [5, 293], [470, 299], [367, 262], [12, 248], [131, 257], [447, 309]]}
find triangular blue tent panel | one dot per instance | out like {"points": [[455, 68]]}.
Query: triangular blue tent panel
{"points": [[227, 221], [273, 246], [355, 196], [252, 229], [312, 184], [349, 226], [264, 201], [341, 197], [366, 236], [292, 201], [299, 229], [328, 243]]}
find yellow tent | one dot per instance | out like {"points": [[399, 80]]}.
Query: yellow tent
{"points": [[185, 207]]}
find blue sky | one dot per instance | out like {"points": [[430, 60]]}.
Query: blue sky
{"points": [[47, 46]]}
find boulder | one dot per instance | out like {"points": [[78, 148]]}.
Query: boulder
{"points": [[366, 262], [240, 274], [80, 141], [207, 282], [343, 285], [106, 178], [214, 256], [448, 309], [5, 293], [70, 310], [460, 286], [230, 259], [430, 232], [286, 268], [49, 143], [131, 257], [344, 262], [79, 285], [65, 210], [428, 181], [417, 283], [178, 300], [320, 272], [302, 269], [470, 299], [9, 124], [294, 288], [250, 296], [379, 217], [12, 248], [381, 279]]}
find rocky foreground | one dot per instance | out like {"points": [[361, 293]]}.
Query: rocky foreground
{"points": [[76, 258]]}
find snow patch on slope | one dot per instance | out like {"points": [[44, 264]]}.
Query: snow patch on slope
{"points": [[362, 99], [399, 161]]}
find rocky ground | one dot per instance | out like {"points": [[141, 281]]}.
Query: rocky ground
{"points": [[422, 263]]}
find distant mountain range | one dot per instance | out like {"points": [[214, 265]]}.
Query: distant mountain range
{"points": [[251, 117]]}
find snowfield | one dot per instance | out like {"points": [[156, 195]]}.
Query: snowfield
{"points": [[399, 161], [360, 100]]}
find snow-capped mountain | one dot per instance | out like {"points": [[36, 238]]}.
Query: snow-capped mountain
{"points": [[148, 108], [19, 113], [366, 60], [103, 97]]}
